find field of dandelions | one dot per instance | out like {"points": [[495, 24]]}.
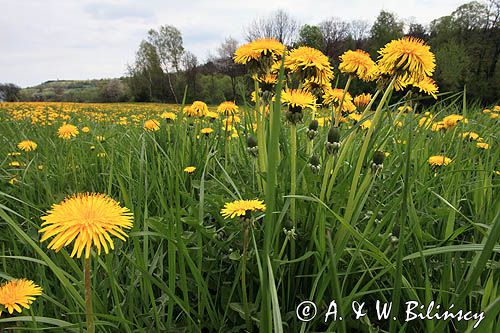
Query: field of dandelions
{"points": [[196, 218]]}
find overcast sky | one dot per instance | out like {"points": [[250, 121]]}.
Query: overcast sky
{"points": [[86, 39]]}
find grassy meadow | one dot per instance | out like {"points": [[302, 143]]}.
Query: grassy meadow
{"points": [[390, 201]]}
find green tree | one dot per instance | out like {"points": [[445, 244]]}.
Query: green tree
{"points": [[418, 31], [311, 35], [167, 41], [113, 91], [452, 66], [386, 28], [9, 92], [146, 77]]}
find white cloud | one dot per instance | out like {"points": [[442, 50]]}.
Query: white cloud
{"points": [[71, 39]]}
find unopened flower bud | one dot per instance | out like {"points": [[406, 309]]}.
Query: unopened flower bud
{"points": [[252, 145], [378, 161], [294, 114], [314, 164], [333, 141], [313, 129]]}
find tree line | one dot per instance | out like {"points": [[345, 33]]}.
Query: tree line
{"points": [[466, 44]]}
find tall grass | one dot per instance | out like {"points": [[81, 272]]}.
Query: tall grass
{"points": [[409, 232]]}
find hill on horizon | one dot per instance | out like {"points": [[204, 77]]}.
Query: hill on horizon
{"points": [[76, 90]]}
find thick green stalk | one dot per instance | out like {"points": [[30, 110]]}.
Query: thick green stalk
{"points": [[244, 275], [89, 310], [293, 168], [293, 181], [266, 324], [261, 136], [339, 109]]}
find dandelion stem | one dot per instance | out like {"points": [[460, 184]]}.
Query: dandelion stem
{"points": [[89, 310], [293, 168], [243, 275], [293, 180], [339, 110], [261, 138]]}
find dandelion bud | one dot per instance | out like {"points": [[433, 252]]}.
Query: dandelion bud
{"points": [[333, 142], [252, 146], [394, 236], [313, 129], [314, 164], [294, 114], [334, 134], [378, 161]]}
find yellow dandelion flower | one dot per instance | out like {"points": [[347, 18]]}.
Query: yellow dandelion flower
{"points": [[437, 126], [453, 120], [362, 100], [266, 79], [359, 63], [85, 129], [100, 138], [245, 54], [207, 130], [310, 63], [189, 169], [354, 116], [189, 111], [18, 293], [199, 108], [334, 97], [27, 145], [366, 124], [242, 208], [14, 154], [67, 131], [15, 164], [494, 115], [470, 135], [297, 98], [88, 219], [408, 57], [168, 116], [439, 160], [428, 86], [259, 48], [152, 125], [212, 115], [227, 108], [483, 145]]}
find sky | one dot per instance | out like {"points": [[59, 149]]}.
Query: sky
{"points": [[89, 39]]}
